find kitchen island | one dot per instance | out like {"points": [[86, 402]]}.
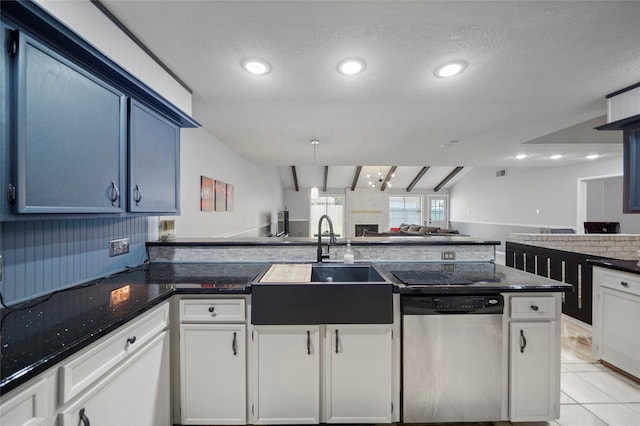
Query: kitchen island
{"points": [[210, 303]]}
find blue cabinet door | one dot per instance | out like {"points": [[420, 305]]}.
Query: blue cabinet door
{"points": [[71, 135], [154, 162], [631, 184]]}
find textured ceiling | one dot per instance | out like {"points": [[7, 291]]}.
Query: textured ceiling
{"points": [[537, 71]]}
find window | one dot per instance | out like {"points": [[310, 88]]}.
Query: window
{"points": [[405, 210], [331, 205]]}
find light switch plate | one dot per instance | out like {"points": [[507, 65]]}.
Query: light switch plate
{"points": [[118, 247]]}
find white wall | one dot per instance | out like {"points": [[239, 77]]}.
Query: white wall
{"points": [[603, 196], [487, 206], [258, 191]]}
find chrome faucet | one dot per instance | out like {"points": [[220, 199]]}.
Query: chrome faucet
{"points": [[332, 238]]}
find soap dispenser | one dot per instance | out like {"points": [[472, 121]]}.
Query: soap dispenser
{"points": [[348, 254]]}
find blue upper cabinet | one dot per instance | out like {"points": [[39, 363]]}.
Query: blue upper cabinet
{"points": [[631, 185], [154, 156], [70, 133]]}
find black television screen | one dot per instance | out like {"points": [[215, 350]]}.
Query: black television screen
{"points": [[602, 227], [283, 223]]}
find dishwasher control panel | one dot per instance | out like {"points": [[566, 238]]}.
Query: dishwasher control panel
{"points": [[450, 304]]}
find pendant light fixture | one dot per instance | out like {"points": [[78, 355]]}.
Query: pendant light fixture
{"points": [[314, 189]]}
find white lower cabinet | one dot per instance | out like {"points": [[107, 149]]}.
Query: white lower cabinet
{"points": [[532, 370], [350, 366], [135, 393], [358, 374], [28, 407], [286, 374], [616, 315], [534, 358], [213, 374]]}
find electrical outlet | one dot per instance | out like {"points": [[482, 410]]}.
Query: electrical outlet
{"points": [[118, 247], [448, 255]]}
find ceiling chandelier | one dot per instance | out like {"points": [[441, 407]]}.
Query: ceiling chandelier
{"points": [[379, 179]]}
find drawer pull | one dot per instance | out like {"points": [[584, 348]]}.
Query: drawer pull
{"points": [[624, 284], [308, 342], [523, 341], [337, 341], [534, 308], [131, 340], [212, 310], [83, 418], [234, 343]]}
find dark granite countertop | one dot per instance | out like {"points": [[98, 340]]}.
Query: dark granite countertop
{"points": [[299, 241], [465, 277], [42, 332], [632, 266]]}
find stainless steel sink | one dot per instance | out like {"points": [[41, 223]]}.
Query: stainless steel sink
{"points": [[346, 274], [337, 294]]}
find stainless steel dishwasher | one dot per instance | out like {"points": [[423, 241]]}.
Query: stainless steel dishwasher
{"points": [[452, 358]]}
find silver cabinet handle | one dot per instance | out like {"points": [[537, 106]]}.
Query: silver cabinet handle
{"points": [[114, 193], [137, 195]]}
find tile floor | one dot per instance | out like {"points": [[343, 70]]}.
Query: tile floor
{"points": [[592, 394]]}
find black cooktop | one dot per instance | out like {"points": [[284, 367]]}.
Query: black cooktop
{"points": [[430, 278]]}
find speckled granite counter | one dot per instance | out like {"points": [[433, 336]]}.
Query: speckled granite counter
{"points": [[44, 332], [40, 333], [632, 266]]}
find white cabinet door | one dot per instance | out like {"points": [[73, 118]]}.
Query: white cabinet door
{"points": [[28, 407], [286, 375], [213, 374], [532, 393], [136, 393], [358, 366], [620, 340]]}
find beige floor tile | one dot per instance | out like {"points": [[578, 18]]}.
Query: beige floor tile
{"points": [[581, 391], [566, 399], [577, 415], [583, 367], [613, 384], [615, 414]]}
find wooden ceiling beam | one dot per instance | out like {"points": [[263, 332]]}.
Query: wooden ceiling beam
{"points": [[295, 178], [417, 178], [392, 170], [448, 178], [356, 176]]}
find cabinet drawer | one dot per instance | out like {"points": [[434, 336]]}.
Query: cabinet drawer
{"points": [[91, 364], [28, 407], [532, 307], [626, 282], [212, 310]]}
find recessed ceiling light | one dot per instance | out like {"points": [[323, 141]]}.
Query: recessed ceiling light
{"points": [[351, 66], [521, 156], [256, 66], [592, 156], [556, 157], [450, 69]]}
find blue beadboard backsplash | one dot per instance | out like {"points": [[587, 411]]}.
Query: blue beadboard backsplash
{"points": [[43, 256]]}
